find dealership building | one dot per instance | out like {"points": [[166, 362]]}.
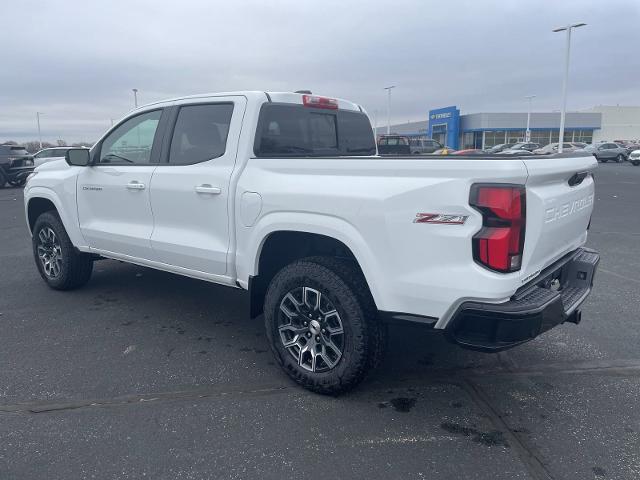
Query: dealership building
{"points": [[483, 130]]}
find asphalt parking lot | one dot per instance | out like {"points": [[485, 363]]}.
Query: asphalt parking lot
{"points": [[143, 374]]}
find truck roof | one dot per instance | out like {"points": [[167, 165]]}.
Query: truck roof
{"points": [[277, 97]]}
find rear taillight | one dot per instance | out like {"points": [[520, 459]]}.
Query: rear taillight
{"points": [[319, 102], [500, 243]]}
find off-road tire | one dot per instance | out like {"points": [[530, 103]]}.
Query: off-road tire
{"points": [[76, 267], [365, 336]]}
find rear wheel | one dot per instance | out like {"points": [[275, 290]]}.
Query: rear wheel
{"points": [[59, 264], [635, 162], [322, 325], [620, 158]]}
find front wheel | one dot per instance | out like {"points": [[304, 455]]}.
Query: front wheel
{"points": [[59, 264], [322, 325], [620, 158], [18, 183]]}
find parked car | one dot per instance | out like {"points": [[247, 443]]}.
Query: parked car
{"points": [[520, 148], [609, 151], [394, 145], [281, 194], [424, 145], [446, 150], [579, 144], [553, 148], [15, 165], [500, 147], [634, 157], [49, 154], [469, 151]]}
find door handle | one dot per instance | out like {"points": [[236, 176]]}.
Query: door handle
{"points": [[207, 188], [135, 185]]}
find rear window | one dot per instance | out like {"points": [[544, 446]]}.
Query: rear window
{"points": [[293, 130], [393, 141], [13, 150]]}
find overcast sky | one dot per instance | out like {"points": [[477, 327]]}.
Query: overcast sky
{"points": [[77, 60]]}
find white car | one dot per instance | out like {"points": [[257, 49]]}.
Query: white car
{"points": [[553, 148], [634, 157], [283, 195], [49, 154]]}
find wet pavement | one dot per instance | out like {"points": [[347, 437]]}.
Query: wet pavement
{"points": [[147, 374]]}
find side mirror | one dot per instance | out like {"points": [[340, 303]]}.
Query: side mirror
{"points": [[78, 156]]}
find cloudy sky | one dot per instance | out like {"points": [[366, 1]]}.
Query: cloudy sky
{"points": [[77, 60]]}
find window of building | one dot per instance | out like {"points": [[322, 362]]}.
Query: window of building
{"points": [[541, 137], [514, 136], [494, 137], [584, 136]]}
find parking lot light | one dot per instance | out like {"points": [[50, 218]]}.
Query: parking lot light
{"points": [[388, 89], [39, 133], [527, 135], [135, 97], [568, 29]]}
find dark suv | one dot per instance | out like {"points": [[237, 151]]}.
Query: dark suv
{"points": [[15, 165]]}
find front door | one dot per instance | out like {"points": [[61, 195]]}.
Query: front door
{"points": [[190, 188], [114, 208]]}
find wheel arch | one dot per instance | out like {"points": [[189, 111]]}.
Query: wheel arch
{"points": [[279, 246], [41, 199]]}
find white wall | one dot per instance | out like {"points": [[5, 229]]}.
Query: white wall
{"points": [[618, 123]]}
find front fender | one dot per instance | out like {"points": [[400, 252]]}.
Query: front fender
{"points": [[65, 206]]}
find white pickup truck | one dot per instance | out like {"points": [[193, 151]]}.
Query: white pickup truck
{"points": [[283, 195]]}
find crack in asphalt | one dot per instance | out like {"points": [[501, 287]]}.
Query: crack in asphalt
{"points": [[623, 277], [526, 451], [458, 377]]}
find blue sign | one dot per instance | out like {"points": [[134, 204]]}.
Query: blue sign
{"points": [[444, 125]]}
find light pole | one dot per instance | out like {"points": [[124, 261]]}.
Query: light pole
{"points": [[135, 97], [375, 124], [39, 134], [388, 89], [568, 29], [527, 135]]}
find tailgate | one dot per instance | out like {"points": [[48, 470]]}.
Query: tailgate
{"points": [[558, 208]]}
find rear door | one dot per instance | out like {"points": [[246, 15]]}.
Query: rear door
{"points": [[559, 203], [190, 189], [114, 210]]}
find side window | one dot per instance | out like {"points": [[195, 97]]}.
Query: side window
{"points": [[58, 153], [41, 154], [131, 142], [200, 133]]}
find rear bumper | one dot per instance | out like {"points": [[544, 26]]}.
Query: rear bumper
{"points": [[553, 298]]}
